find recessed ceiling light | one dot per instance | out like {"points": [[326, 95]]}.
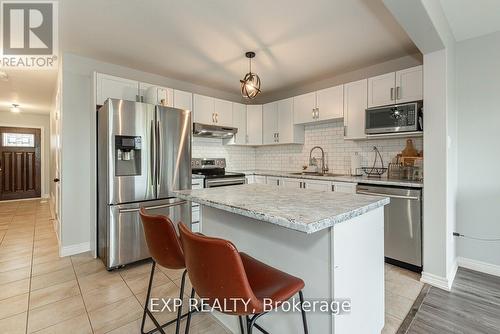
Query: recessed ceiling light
{"points": [[15, 108], [4, 76]]}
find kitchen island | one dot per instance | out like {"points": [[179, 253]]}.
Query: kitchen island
{"points": [[333, 241]]}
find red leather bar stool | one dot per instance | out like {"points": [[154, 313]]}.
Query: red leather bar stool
{"points": [[218, 272], [165, 249]]}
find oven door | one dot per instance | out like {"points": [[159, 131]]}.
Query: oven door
{"points": [[394, 118], [222, 182]]}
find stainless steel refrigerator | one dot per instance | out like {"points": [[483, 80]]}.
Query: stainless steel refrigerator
{"points": [[144, 152]]}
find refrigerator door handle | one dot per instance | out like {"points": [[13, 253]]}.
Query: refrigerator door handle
{"points": [[159, 149], [152, 150], [153, 207]]}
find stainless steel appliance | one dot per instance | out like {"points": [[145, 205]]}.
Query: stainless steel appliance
{"points": [[213, 131], [403, 224], [215, 173], [394, 118], [144, 152]]}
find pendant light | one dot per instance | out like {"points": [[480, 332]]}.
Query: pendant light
{"points": [[250, 85]]}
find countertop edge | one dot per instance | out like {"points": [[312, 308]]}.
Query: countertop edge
{"points": [[346, 178], [286, 223]]}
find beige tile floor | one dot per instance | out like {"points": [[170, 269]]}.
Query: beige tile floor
{"points": [[43, 293]]}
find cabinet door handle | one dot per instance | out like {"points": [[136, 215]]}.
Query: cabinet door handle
{"points": [[398, 93], [300, 184], [216, 117], [313, 113], [345, 130], [213, 117], [333, 187], [392, 94], [317, 113], [278, 137]]}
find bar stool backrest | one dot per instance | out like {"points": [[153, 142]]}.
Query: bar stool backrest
{"points": [[217, 273], [162, 240]]}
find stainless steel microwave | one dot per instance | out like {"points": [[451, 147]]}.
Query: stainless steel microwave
{"points": [[394, 118]]}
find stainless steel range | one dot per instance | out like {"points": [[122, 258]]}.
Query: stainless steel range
{"points": [[214, 170]]}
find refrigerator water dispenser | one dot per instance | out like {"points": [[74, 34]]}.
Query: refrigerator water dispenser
{"points": [[127, 155]]}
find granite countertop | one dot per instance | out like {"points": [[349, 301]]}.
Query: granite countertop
{"points": [[342, 178], [302, 210]]}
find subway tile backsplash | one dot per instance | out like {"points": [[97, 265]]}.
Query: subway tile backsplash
{"points": [[330, 136]]}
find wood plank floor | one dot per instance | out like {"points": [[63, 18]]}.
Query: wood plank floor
{"points": [[472, 306]]}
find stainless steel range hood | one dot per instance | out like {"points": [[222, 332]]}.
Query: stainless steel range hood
{"points": [[213, 131]]}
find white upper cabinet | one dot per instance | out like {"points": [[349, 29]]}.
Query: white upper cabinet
{"points": [[355, 103], [109, 86], [409, 85], [239, 122], [330, 103], [209, 110], [203, 109], [254, 124], [183, 100], [223, 112], [156, 94], [304, 108], [396, 87], [288, 131], [270, 123], [382, 90]]}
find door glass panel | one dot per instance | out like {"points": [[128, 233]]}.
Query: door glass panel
{"points": [[18, 140]]}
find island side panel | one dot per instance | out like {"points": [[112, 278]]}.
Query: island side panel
{"points": [[358, 253], [308, 256]]}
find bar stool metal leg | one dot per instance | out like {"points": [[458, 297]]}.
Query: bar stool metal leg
{"points": [[146, 304], [181, 297], [188, 321], [304, 320], [241, 324]]}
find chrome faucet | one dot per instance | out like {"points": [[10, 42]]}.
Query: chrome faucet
{"points": [[324, 168]]}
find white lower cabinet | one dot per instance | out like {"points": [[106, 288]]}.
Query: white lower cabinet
{"points": [[250, 179], [345, 187], [273, 180], [318, 185], [291, 182], [260, 179]]}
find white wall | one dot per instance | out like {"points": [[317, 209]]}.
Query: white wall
{"points": [[34, 121], [478, 89]]}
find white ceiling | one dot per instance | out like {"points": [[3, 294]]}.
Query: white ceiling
{"points": [[472, 18], [33, 90], [204, 42]]}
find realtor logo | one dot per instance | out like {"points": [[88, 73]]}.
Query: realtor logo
{"points": [[29, 34]]}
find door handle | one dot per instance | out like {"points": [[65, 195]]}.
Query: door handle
{"points": [[152, 207], [392, 94], [56, 180], [216, 117], [398, 93], [152, 152], [159, 152], [213, 117], [412, 198]]}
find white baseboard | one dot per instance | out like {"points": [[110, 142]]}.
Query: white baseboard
{"points": [[75, 249], [438, 281], [483, 267]]}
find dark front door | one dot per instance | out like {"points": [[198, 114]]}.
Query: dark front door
{"points": [[19, 163]]}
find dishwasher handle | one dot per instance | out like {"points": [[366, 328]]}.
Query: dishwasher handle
{"points": [[412, 198]]}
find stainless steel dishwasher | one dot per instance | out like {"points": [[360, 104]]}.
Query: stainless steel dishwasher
{"points": [[402, 225]]}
